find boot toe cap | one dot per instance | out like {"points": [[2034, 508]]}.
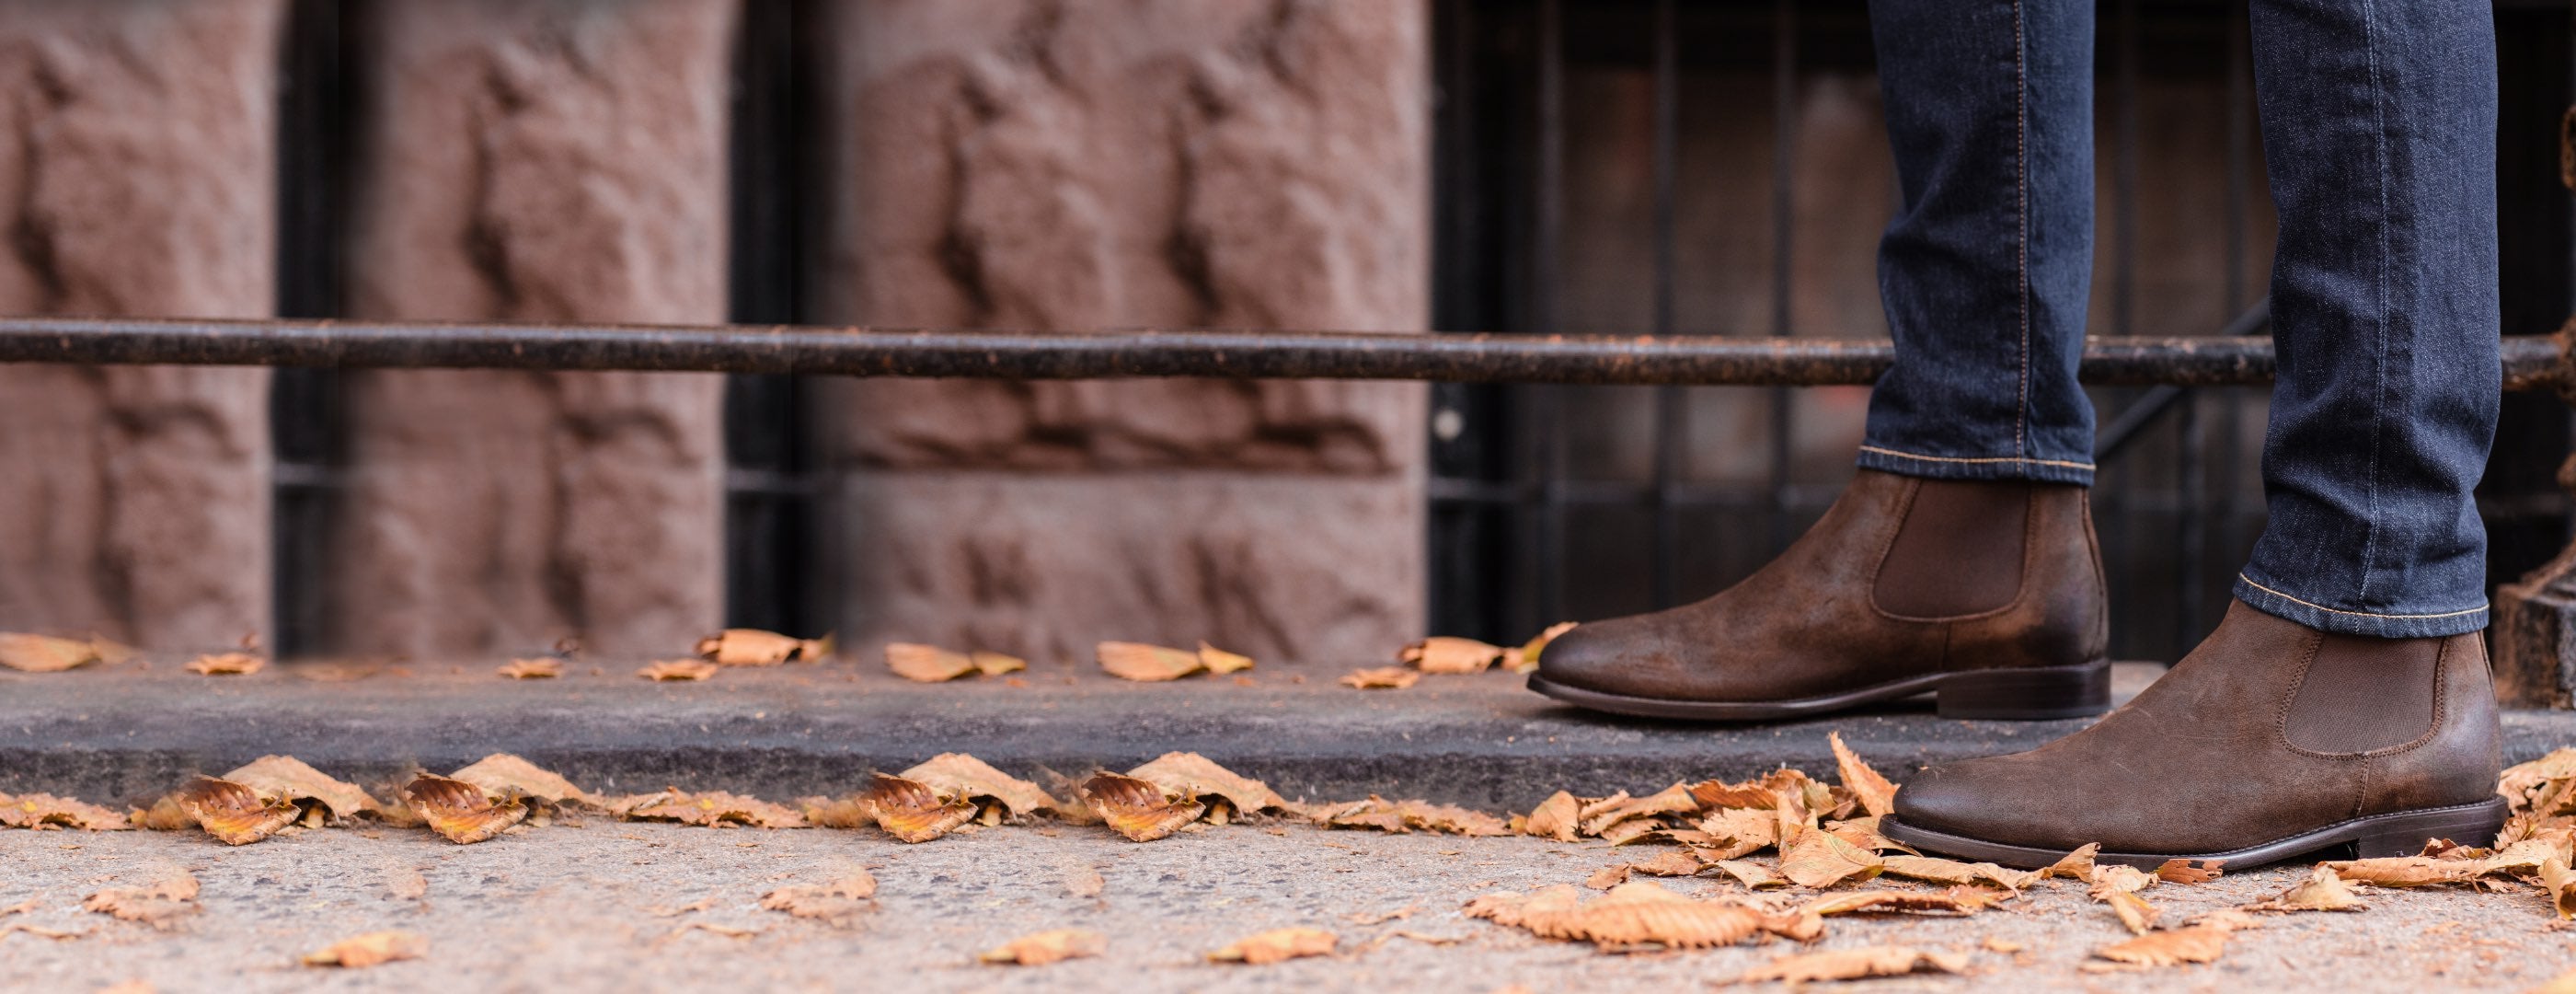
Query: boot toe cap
{"points": [[1599, 657]]}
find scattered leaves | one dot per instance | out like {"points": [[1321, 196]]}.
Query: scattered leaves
{"points": [[371, 949], [671, 670], [1854, 964], [159, 905], [1381, 678], [1407, 816], [928, 800], [1053, 946], [753, 647], [2183, 871], [1277, 945], [1819, 859]]}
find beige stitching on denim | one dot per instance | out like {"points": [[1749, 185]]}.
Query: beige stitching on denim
{"points": [[2249, 581], [1984, 459]]}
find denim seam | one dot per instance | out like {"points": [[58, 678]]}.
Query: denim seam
{"points": [[2379, 314], [2249, 581], [1979, 459], [2021, 233]]}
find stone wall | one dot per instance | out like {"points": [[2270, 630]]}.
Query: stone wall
{"points": [[137, 169], [557, 161], [1097, 163]]}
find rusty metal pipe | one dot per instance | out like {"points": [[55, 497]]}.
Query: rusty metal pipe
{"points": [[2530, 363]]}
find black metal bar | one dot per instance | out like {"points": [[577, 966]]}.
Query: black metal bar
{"points": [[2150, 406], [2531, 362], [1547, 407], [1671, 420]]}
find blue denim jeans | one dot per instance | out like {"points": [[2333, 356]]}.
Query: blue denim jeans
{"points": [[2379, 138]]}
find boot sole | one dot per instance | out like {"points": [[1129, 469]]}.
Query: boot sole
{"points": [[2024, 694], [2401, 833]]}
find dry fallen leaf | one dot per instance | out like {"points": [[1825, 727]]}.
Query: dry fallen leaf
{"points": [[2077, 865], [2197, 943], [1199, 776], [927, 663], [838, 903], [504, 775], [1754, 876], [2134, 911], [41, 811], [824, 812], [1877, 796], [678, 669], [1406, 816], [1854, 964], [460, 811], [1599, 818], [531, 669], [1554, 818], [1221, 662], [406, 884], [1630, 914], [753, 647], [235, 814], [996, 664], [914, 811], [160, 905], [1955, 901], [1149, 663], [2321, 891], [2183, 871], [1276, 945], [1381, 678], [29, 653], [706, 808], [371, 949], [289, 778], [1139, 809], [227, 664], [2560, 882], [1525, 658], [1053, 946], [1817, 859], [1445, 654], [1954, 872]]}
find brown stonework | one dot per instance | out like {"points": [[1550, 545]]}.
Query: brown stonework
{"points": [[537, 161], [1069, 164], [137, 167]]}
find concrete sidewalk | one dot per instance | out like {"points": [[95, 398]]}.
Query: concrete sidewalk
{"points": [[601, 908]]}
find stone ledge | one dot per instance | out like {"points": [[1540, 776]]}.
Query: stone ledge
{"points": [[1478, 740]]}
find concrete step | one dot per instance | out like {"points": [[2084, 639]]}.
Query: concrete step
{"points": [[129, 733]]}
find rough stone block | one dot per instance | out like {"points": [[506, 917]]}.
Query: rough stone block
{"points": [[1287, 569], [561, 161], [1087, 164], [138, 167]]}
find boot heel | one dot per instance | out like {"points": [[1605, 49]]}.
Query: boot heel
{"points": [[2027, 694], [2406, 834]]}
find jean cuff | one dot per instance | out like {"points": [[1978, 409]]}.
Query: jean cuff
{"points": [[2271, 597], [1887, 460]]}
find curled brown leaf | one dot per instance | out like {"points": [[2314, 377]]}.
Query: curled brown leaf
{"points": [[927, 663], [1146, 663], [1381, 678]]}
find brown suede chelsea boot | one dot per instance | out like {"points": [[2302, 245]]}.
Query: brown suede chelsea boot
{"points": [[2270, 740], [1985, 593]]}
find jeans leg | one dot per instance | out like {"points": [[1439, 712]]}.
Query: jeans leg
{"points": [[2379, 135], [1985, 269]]}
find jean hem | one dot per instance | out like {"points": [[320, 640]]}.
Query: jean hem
{"points": [[1888, 460], [2270, 599]]}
